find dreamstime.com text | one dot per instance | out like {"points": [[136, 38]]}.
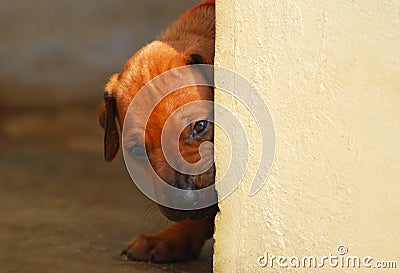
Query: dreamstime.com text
{"points": [[332, 260]]}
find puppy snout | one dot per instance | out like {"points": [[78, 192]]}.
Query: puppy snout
{"points": [[186, 182], [189, 196], [188, 199]]}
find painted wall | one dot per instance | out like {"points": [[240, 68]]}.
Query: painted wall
{"points": [[330, 74]]}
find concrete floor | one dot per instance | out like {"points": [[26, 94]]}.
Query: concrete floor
{"points": [[63, 209]]}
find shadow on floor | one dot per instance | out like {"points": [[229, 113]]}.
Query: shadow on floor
{"points": [[63, 209]]}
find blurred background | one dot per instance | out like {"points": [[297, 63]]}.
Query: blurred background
{"points": [[63, 208], [57, 52]]}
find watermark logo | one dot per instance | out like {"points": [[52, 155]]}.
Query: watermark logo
{"points": [[342, 250], [144, 108], [342, 260]]}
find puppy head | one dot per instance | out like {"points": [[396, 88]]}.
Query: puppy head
{"points": [[185, 111]]}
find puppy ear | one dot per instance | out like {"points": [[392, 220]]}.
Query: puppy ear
{"points": [[195, 59], [108, 114], [102, 114], [207, 73]]}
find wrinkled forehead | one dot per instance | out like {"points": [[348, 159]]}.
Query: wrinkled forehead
{"points": [[183, 94], [193, 111], [180, 108]]}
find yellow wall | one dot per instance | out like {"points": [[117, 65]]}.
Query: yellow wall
{"points": [[330, 74]]}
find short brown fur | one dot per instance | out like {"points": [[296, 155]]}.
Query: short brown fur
{"points": [[191, 34]]}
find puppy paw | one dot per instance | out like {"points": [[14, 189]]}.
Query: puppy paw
{"points": [[156, 249], [180, 241]]}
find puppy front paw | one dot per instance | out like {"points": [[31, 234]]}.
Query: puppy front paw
{"points": [[180, 241], [156, 249]]}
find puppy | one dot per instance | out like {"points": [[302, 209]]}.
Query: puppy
{"points": [[189, 40]]}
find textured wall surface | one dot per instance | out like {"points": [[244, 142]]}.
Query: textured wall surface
{"points": [[330, 74]]}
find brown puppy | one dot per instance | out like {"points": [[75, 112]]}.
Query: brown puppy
{"points": [[190, 40]]}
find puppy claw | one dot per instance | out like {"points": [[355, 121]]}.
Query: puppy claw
{"points": [[151, 258], [126, 255]]}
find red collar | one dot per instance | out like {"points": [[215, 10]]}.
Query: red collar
{"points": [[205, 3]]}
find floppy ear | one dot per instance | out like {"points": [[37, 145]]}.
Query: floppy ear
{"points": [[207, 73], [108, 114], [195, 59]]}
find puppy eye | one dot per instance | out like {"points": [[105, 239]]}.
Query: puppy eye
{"points": [[137, 151], [200, 127]]}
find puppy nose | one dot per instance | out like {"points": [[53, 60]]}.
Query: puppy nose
{"points": [[190, 196], [186, 182]]}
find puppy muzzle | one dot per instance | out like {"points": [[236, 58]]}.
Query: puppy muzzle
{"points": [[188, 197]]}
